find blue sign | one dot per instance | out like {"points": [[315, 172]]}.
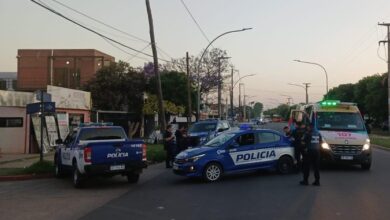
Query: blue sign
{"points": [[46, 96], [36, 107]]}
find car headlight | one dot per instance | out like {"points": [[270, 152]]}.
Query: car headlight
{"points": [[194, 158], [366, 146], [325, 146]]}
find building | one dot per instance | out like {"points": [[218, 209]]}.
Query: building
{"points": [[8, 81], [68, 68], [20, 129]]}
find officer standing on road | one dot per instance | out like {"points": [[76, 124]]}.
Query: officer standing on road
{"points": [[169, 146], [297, 138], [180, 139], [311, 156]]}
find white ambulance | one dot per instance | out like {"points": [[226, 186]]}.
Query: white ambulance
{"points": [[342, 130]]}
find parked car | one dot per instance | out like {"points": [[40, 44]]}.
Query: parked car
{"points": [[207, 129], [99, 150]]}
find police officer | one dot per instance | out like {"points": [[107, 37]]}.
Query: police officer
{"points": [[297, 142], [311, 156], [169, 146]]}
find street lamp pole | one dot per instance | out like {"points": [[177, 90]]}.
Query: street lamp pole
{"points": [[304, 87], [200, 61], [317, 64], [232, 89]]}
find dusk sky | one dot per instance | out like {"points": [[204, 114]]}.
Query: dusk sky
{"points": [[342, 35]]}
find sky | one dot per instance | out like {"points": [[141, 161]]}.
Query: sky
{"points": [[341, 35]]}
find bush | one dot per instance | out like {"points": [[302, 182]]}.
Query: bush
{"points": [[155, 153]]}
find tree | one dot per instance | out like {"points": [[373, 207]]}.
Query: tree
{"points": [[117, 87], [208, 72], [151, 106], [344, 92], [174, 87], [257, 109]]}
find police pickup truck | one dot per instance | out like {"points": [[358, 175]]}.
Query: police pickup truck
{"points": [[237, 151], [99, 150]]}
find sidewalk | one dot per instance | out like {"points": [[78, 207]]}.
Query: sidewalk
{"points": [[22, 160]]}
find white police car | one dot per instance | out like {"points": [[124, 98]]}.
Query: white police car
{"points": [[237, 151]]}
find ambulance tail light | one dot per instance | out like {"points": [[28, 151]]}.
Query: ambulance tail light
{"points": [[87, 154], [144, 152]]}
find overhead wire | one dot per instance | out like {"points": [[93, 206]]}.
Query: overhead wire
{"points": [[195, 21], [109, 26], [91, 30]]}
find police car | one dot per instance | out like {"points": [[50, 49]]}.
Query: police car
{"points": [[237, 151]]}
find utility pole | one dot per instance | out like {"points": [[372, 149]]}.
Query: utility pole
{"points": [[231, 96], [239, 98], [219, 87], [388, 65], [156, 72], [188, 91], [307, 94]]}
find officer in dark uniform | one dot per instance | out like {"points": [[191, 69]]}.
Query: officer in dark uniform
{"points": [[311, 156], [297, 143], [169, 146]]}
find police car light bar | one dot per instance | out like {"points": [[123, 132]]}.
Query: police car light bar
{"points": [[92, 124]]}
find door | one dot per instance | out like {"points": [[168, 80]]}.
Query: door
{"points": [[67, 148], [240, 152], [267, 148]]}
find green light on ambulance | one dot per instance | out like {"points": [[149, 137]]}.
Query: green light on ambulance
{"points": [[330, 103]]}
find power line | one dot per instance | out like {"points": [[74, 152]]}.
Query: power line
{"points": [[135, 55], [124, 51], [193, 18], [107, 25], [93, 31]]}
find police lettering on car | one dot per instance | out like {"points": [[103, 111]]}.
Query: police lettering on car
{"points": [[237, 151]]}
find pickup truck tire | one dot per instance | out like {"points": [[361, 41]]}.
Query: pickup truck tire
{"points": [[59, 170], [77, 179], [132, 177]]}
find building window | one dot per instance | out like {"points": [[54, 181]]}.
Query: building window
{"points": [[11, 122]]}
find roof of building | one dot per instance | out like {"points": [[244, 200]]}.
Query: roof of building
{"points": [[8, 75]]}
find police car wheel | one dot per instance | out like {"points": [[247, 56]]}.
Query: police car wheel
{"points": [[77, 181], [285, 165], [212, 172], [132, 177]]}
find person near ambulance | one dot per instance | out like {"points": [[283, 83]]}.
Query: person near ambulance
{"points": [[311, 155]]}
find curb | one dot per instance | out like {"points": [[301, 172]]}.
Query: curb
{"points": [[380, 147], [26, 177]]}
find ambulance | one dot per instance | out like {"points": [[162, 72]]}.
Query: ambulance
{"points": [[344, 137]]}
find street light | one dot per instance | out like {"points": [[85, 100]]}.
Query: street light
{"points": [[304, 87], [317, 64], [232, 88], [200, 61]]}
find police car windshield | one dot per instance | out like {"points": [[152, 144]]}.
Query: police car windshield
{"points": [[203, 127], [101, 134], [219, 140], [343, 121]]}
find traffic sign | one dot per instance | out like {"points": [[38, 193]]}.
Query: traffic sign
{"points": [[36, 107], [46, 96]]}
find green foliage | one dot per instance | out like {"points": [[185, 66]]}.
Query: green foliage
{"points": [[370, 93], [282, 110], [257, 109], [155, 152], [174, 87], [117, 87], [151, 106], [44, 167]]}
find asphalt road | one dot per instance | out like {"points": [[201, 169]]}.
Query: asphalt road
{"points": [[346, 193]]}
